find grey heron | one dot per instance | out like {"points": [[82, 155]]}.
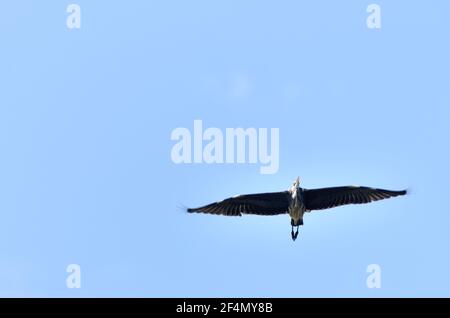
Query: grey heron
{"points": [[295, 202]]}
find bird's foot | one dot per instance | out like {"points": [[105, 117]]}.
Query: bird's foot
{"points": [[294, 235]]}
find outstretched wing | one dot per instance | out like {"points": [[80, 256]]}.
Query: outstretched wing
{"points": [[325, 198], [272, 203]]}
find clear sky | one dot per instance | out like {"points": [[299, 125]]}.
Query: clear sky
{"points": [[86, 175]]}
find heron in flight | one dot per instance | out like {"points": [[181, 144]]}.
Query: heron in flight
{"points": [[296, 201]]}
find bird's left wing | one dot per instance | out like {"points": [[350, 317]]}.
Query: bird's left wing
{"points": [[272, 203], [325, 198]]}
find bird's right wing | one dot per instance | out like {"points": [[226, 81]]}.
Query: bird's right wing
{"points": [[325, 198], [272, 203]]}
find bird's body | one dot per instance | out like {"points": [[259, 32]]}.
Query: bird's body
{"points": [[296, 207], [296, 201]]}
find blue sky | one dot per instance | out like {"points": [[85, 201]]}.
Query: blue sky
{"points": [[86, 175]]}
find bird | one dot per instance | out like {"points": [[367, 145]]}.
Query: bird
{"points": [[295, 202]]}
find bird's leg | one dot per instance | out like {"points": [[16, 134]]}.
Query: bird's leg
{"points": [[296, 233], [293, 234]]}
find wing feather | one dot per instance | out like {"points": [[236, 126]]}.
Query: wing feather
{"points": [[325, 198], [271, 203]]}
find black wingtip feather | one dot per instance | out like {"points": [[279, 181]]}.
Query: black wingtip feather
{"points": [[402, 192], [193, 210]]}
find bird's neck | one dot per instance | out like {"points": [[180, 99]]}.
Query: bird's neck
{"points": [[294, 192]]}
